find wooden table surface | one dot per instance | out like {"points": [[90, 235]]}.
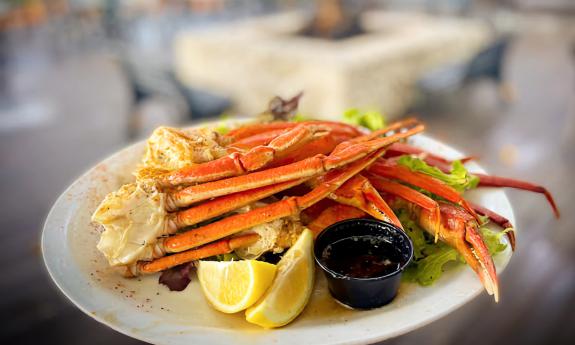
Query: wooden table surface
{"points": [[78, 107]]}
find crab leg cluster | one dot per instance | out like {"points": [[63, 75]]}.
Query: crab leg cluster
{"points": [[325, 171], [334, 170]]}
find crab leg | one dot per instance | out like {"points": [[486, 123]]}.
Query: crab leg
{"points": [[287, 207], [359, 193], [497, 181], [265, 138], [499, 220], [308, 167], [392, 170], [449, 223], [487, 180], [423, 201], [460, 230], [240, 163], [409, 194], [332, 215], [223, 246], [258, 139], [323, 146], [227, 203], [244, 132], [393, 129], [400, 149]]}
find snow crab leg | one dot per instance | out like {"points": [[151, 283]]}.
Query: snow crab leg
{"points": [[256, 134], [392, 170], [223, 246], [359, 193], [498, 181], [308, 167], [393, 188], [224, 204], [400, 149], [485, 180], [290, 206], [240, 163]]}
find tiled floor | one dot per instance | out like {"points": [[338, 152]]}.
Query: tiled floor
{"points": [[71, 110]]}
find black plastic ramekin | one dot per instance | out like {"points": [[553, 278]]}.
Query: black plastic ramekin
{"points": [[363, 293]]}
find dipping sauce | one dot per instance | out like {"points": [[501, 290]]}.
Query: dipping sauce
{"points": [[362, 256], [362, 260]]}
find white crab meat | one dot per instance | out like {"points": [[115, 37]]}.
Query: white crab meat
{"points": [[133, 218], [275, 236], [170, 148]]}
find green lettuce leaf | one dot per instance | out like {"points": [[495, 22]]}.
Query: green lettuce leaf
{"points": [[370, 119], [415, 233], [427, 270], [299, 117], [223, 128], [458, 178], [492, 239]]}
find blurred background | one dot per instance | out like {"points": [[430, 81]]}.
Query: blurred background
{"points": [[82, 78]]}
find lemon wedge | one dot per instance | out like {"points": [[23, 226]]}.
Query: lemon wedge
{"points": [[232, 286], [291, 288]]}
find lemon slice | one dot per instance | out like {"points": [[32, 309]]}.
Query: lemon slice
{"points": [[232, 286], [291, 288]]}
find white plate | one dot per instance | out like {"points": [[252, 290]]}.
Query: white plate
{"points": [[144, 309]]}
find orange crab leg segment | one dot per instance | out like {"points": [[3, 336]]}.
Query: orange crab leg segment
{"points": [[240, 163], [409, 194], [245, 132], [258, 139], [287, 207], [497, 181], [305, 168], [227, 203], [399, 149], [392, 170], [223, 246], [390, 130], [358, 192], [323, 146], [266, 137]]}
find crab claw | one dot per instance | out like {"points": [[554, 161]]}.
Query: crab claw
{"points": [[460, 230], [359, 192]]}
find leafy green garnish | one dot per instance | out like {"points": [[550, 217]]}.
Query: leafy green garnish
{"points": [[370, 119], [430, 258], [427, 270], [492, 239], [415, 233], [222, 129], [299, 117], [458, 178]]}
